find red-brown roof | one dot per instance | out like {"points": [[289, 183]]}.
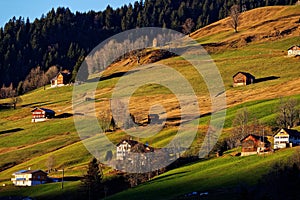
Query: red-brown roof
{"points": [[257, 137]]}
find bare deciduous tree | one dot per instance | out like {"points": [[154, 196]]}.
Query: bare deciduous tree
{"points": [[234, 17], [239, 131], [105, 120], [50, 163], [15, 100], [51, 73], [34, 79], [7, 92], [123, 119], [188, 26], [288, 113]]}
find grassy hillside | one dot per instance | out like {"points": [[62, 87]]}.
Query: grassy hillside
{"points": [[24, 144], [220, 177], [264, 56]]}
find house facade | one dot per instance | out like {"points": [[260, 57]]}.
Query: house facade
{"points": [[243, 78], [294, 50], [254, 144], [125, 147], [61, 79], [29, 177], [41, 114], [286, 138]]}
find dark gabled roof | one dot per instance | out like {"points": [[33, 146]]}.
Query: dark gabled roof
{"points": [[294, 46], [28, 172], [137, 146], [248, 75], [257, 137], [66, 74], [44, 109], [291, 132], [131, 142]]}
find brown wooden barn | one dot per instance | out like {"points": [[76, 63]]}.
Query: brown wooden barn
{"points": [[153, 118], [254, 144], [243, 78], [61, 79]]}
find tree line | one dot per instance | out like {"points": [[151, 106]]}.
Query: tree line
{"points": [[63, 38]]}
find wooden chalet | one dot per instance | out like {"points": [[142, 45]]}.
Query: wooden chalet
{"points": [[253, 144], [243, 78], [61, 79], [29, 177], [294, 50], [153, 118], [42, 114], [286, 138]]}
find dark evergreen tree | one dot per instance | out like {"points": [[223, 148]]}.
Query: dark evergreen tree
{"points": [[92, 180], [61, 37]]}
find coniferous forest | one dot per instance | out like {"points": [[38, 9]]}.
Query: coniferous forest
{"points": [[63, 38]]}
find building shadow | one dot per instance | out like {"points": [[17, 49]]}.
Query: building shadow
{"points": [[64, 115], [268, 78]]}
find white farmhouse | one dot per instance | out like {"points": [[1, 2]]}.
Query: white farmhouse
{"points": [[294, 50], [29, 177], [286, 138], [126, 146]]}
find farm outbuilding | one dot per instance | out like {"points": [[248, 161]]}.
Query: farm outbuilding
{"points": [[243, 78], [42, 114], [61, 79], [254, 144]]}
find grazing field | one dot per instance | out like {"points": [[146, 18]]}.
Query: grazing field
{"points": [[257, 48]]}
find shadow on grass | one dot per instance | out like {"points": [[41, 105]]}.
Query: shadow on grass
{"points": [[111, 76], [34, 104], [168, 177], [4, 106], [63, 115], [268, 78], [11, 131], [66, 178], [47, 103]]}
